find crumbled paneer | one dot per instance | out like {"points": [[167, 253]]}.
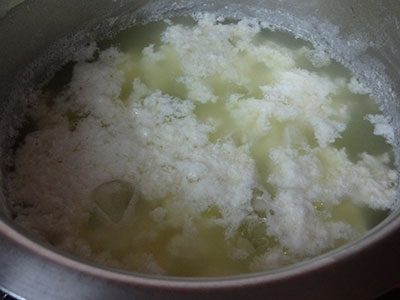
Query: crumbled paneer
{"points": [[356, 87], [318, 58], [210, 145], [382, 127]]}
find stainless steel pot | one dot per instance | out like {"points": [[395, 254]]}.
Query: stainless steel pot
{"points": [[363, 35]]}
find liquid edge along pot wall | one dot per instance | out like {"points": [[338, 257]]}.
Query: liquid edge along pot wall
{"points": [[360, 270]]}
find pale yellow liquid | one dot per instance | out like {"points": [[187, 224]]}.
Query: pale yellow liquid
{"points": [[208, 251]]}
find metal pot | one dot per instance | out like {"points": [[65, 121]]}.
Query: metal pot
{"points": [[363, 35]]}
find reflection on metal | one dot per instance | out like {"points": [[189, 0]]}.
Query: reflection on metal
{"points": [[5, 295]]}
